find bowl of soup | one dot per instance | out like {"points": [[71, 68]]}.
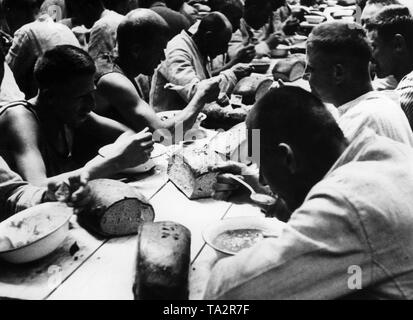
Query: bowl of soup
{"points": [[233, 235], [35, 232]]}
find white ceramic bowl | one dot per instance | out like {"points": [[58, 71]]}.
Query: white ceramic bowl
{"points": [[314, 19], [267, 225], [280, 51], [46, 243]]}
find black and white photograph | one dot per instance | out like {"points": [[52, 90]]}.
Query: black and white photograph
{"points": [[206, 154]]}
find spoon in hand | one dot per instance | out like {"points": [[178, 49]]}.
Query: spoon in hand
{"points": [[258, 198]]}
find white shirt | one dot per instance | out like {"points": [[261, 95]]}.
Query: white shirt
{"points": [[379, 111], [359, 216]]}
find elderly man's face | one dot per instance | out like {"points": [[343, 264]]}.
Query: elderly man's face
{"points": [[383, 57], [319, 73]]}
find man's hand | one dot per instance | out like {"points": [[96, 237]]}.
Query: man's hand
{"points": [[71, 188], [245, 55], [275, 39], [208, 90], [131, 150], [242, 70], [225, 186], [291, 25]]}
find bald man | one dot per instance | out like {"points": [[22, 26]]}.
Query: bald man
{"points": [[118, 96], [187, 62]]}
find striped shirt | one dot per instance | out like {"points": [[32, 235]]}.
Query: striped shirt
{"points": [[405, 90]]}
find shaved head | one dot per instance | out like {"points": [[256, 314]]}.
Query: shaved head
{"points": [[214, 34], [142, 37]]}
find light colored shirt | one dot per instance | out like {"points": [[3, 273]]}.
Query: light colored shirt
{"points": [[15, 194], [103, 34], [405, 91], [387, 83], [379, 111], [184, 66], [354, 228], [29, 43], [9, 90]]}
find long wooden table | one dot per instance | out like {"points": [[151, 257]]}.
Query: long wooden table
{"points": [[86, 267]]}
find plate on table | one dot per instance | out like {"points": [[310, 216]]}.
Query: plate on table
{"points": [[158, 151], [232, 235]]}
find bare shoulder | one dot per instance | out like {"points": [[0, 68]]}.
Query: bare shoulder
{"points": [[17, 122], [117, 86]]}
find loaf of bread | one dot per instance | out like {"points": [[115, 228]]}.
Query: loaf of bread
{"points": [[162, 263], [247, 87], [290, 69], [115, 209], [188, 169]]}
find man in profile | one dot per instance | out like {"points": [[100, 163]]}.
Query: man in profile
{"points": [[338, 59], [351, 203]]}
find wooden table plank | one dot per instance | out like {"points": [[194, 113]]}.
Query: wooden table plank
{"points": [[37, 279], [109, 273]]}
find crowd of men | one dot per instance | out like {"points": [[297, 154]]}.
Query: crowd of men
{"points": [[77, 75]]}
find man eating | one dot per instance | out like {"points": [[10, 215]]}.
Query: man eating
{"points": [[56, 132], [351, 203]]}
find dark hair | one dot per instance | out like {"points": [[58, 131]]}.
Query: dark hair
{"points": [[392, 20], [342, 41], [140, 26], [383, 2], [225, 5], [295, 116], [174, 4], [61, 63], [22, 4], [214, 22]]}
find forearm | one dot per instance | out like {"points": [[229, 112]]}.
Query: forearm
{"points": [[227, 66], [16, 194], [185, 120]]}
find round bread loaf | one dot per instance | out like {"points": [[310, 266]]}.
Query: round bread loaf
{"points": [[163, 259], [115, 209]]}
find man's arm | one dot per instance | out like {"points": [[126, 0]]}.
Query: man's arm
{"points": [[15, 194], [120, 93], [179, 70], [309, 260], [23, 143]]}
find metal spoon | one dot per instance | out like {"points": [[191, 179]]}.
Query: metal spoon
{"points": [[258, 198]]}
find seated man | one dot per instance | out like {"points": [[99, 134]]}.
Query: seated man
{"points": [[256, 28], [186, 63], [17, 195], [352, 205], [56, 132], [103, 24], [338, 57], [118, 94], [31, 39], [233, 10], [372, 7], [391, 34]]}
